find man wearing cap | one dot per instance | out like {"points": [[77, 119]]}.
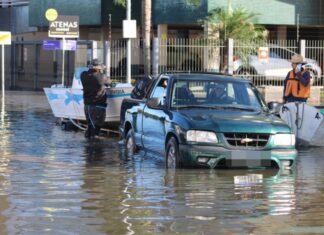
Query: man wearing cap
{"points": [[95, 98], [297, 82]]}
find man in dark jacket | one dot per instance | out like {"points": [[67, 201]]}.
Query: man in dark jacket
{"points": [[95, 97]]}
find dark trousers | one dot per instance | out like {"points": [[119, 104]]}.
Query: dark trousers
{"points": [[95, 116]]}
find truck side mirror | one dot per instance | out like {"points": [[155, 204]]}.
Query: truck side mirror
{"points": [[274, 107], [154, 103]]}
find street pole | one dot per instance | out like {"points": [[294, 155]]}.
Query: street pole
{"points": [[3, 85], [63, 61], [129, 61], [3, 72]]}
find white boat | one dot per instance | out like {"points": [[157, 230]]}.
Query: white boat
{"points": [[67, 102], [306, 122]]}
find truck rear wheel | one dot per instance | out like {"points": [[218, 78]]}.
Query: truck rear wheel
{"points": [[130, 145]]}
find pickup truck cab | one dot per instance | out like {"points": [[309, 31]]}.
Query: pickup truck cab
{"points": [[207, 120]]}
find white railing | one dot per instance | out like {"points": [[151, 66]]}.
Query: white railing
{"points": [[240, 58]]}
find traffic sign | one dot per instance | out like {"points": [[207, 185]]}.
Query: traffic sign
{"points": [[5, 38], [51, 45], [69, 45], [129, 28]]}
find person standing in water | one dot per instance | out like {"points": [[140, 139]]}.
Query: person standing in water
{"points": [[94, 84]]}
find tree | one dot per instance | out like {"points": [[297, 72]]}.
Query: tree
{"points": [[238, 25]]}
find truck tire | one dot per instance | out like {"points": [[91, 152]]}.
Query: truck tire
{"points": [[130, 145], [172, 155]]}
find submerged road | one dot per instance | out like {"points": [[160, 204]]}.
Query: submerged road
{"points": [[56, 182]]}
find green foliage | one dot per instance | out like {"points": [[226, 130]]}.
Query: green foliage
{"points": [[120, 2], [237, 25]]}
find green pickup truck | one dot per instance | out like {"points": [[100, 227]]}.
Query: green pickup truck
{"points": [[207, 120]]}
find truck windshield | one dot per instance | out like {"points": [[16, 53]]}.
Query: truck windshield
{"points": [[211, 93]]}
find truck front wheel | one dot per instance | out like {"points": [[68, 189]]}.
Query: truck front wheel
{"points": [[172, 156]]}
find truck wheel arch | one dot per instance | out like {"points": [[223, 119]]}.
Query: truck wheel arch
{"points": [[168, 137], [128, 126]]}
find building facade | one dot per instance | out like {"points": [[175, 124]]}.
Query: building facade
{"points": [[101, 19]]}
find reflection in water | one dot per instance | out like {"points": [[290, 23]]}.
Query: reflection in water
{"points": [[106, 178], [4, 169], [56, 182], [214, 200], [2, 111]]}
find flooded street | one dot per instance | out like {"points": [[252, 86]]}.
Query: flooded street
{"points": [[56, 182]]}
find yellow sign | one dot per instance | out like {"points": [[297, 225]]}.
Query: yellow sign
{"points": [[51, 14], [5, 37]]}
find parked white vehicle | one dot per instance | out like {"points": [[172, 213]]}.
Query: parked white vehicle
{"points": [[276, 67]]}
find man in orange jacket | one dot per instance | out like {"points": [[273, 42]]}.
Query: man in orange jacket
{"points": [[297, 82]]}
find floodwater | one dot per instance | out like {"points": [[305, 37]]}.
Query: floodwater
{"points": [[55, 182]]}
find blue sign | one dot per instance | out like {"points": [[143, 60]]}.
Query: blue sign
{"points": [[51, 45]]}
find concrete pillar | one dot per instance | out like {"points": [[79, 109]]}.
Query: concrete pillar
{"points": [[211, 54], [162, 31], [230, 52], [81, 56], [94, 54], [282, 32], [302, 47], [155, 56]]}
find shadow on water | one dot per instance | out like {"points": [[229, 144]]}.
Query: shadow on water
{"points": [[102, 152]]}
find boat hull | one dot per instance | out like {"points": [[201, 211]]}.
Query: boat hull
{"points": [[68, 102], [306, 122]]}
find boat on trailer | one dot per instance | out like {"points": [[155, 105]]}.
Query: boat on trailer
{"points": [[67, 103]]}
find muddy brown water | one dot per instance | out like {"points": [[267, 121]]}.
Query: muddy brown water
{"points": [[56, 182]]}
